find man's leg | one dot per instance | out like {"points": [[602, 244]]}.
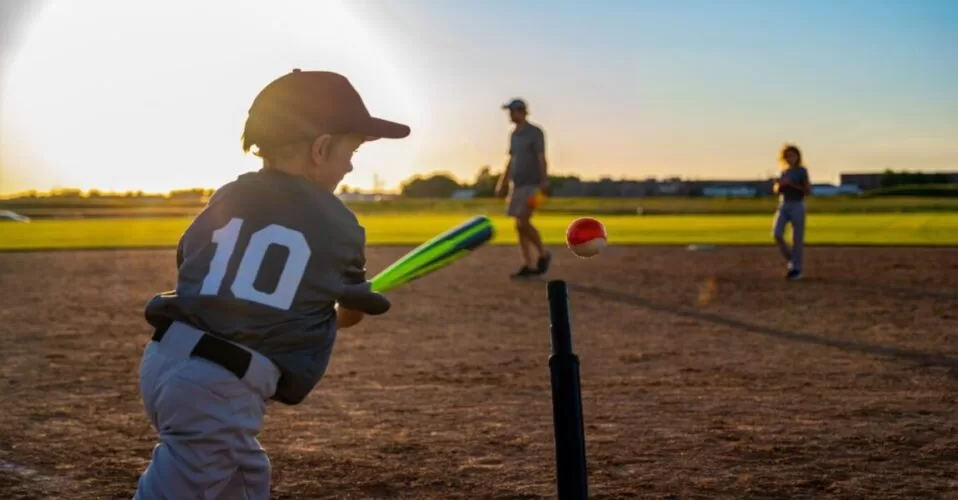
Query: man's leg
{"points": [[525, 242], [518, 210], [544, 258], [535, 239]]}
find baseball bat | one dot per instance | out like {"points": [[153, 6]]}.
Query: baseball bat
{"points": [[435, 254]]}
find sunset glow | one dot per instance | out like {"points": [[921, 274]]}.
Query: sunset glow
{"points": [[152, 96]]}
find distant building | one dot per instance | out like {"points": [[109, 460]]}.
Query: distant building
{"points": [[730, 191], [829, 190], [572, 188], [672, 187], [361, 197], [864, 181], [867, 181], [463, 194], [738, 188], [675, 186], [605, 188]]}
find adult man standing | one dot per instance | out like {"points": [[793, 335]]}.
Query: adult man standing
{"points": [[524, 178]]}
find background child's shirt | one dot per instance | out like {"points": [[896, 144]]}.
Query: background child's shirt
{"points": [[796, 176]]}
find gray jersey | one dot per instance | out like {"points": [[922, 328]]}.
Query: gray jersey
{"points": [[526, 144], [262, 266], [797, 176]]}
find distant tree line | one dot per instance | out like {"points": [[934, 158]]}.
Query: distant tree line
{"points": [[439, 185], [443, 185], [72, 194]]}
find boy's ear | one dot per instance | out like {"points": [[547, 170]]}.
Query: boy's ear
{"points": [[322, 147]]}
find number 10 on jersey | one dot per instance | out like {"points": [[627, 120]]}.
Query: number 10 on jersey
{"points": [[253, 253]]}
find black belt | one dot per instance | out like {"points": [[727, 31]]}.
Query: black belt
{"points": [[229, 356]]}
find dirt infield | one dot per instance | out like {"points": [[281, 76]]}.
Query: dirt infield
{"points": [[705, 375]]}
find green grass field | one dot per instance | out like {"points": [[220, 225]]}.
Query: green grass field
{"points": [[926, 229], [93, 207]]}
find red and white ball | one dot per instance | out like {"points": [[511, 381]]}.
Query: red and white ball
{"points": [[586, 237]]}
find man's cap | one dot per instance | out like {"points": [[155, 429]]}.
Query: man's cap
{"points": [[305, 104], [517, 104]]}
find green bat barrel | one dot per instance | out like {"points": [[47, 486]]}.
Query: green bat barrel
{"points": [[436, 253]]}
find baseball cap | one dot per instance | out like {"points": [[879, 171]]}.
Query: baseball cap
{"points": [[517, 104], [304, 104]]}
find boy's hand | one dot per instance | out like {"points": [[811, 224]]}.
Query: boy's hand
{"points": [[346, 318], [360, 297]]}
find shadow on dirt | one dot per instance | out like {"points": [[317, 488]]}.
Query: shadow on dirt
{"points": [[905, 292], [918, 357], [875, 288]]}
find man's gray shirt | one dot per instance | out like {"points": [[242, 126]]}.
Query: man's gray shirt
{"points": [[263, 266], [797, 176], [527, 143]]}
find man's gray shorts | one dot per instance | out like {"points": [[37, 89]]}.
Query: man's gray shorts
{"points": [[519, 200], [207, 420]]}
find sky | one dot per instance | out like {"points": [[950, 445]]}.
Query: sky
{"points": [[151, 95]]}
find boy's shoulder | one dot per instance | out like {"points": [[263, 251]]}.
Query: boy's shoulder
{"points": [[272, 198]]}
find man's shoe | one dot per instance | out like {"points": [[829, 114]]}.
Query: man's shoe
{"points": [[793, 275], [524, 272], [542, 265]]}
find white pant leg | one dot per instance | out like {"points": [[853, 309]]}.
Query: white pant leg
{"points": [[207, 420]]}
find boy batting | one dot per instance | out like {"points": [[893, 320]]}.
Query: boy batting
{"points": [[792, 187], [266, 274]]}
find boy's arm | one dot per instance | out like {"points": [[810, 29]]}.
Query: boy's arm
{"points": [[354, 274], [357, 296], [346, 318], [362, 298]]}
